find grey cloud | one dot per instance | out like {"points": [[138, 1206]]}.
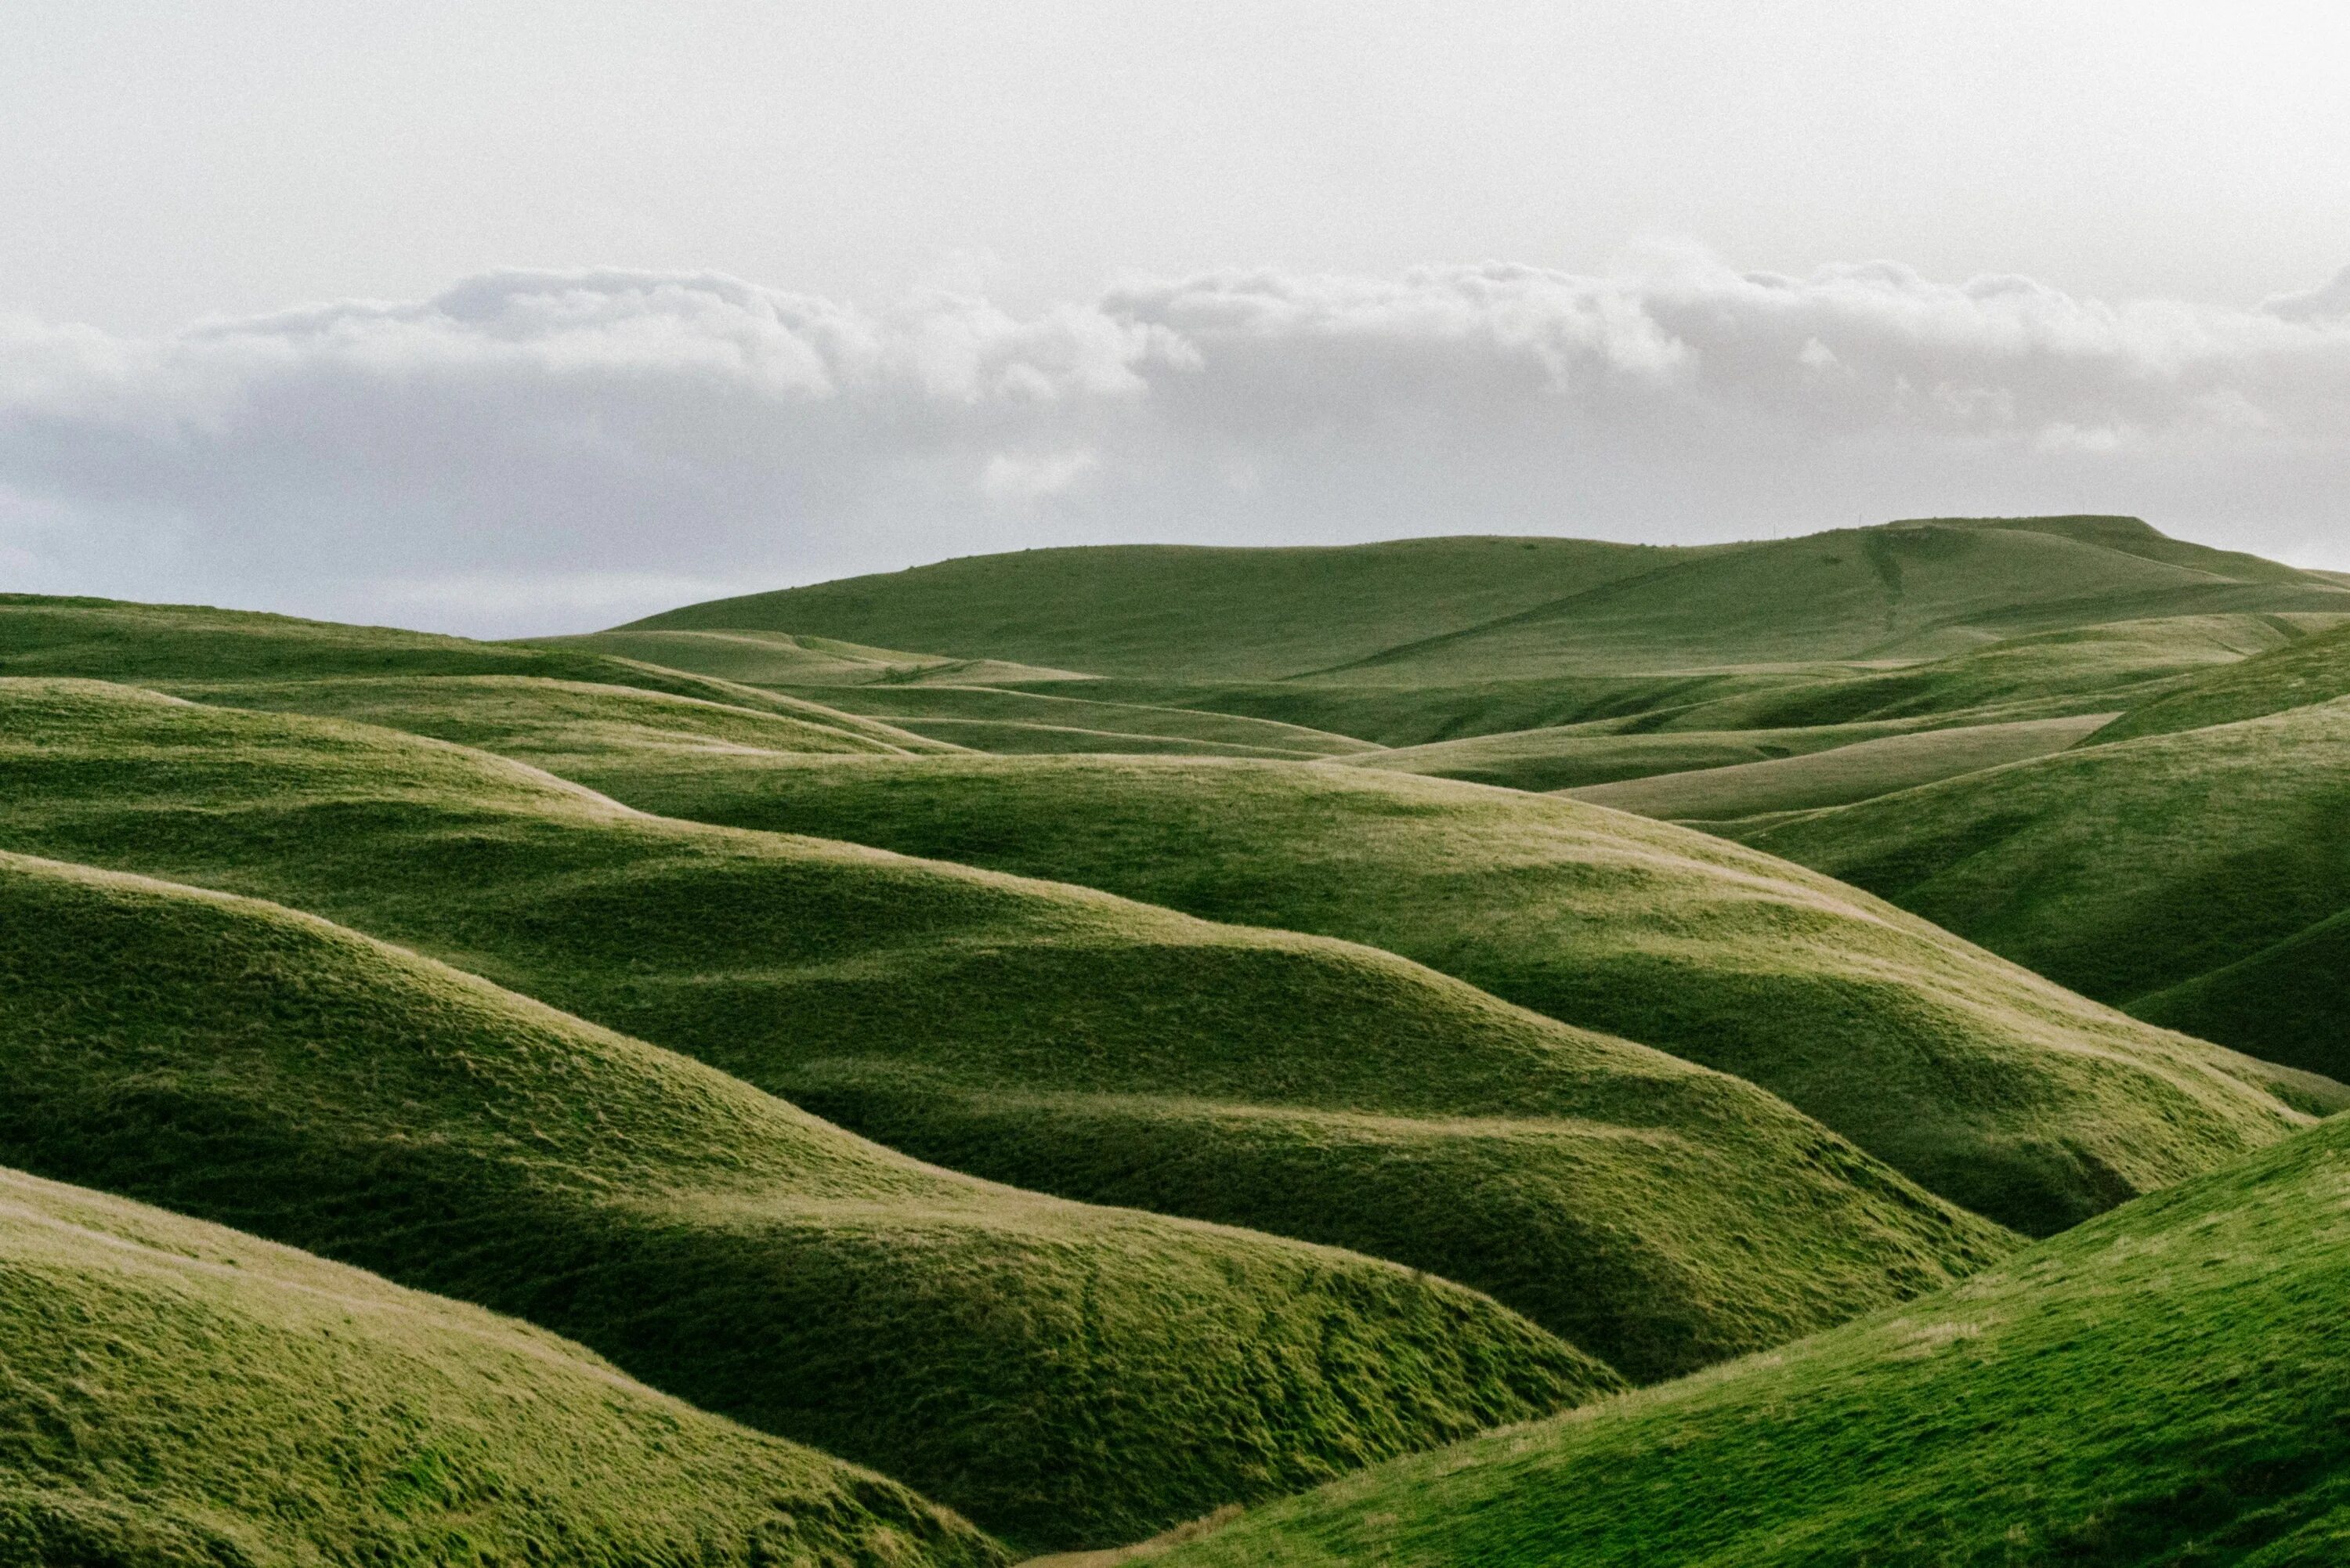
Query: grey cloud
{"points": [[533, 449]]}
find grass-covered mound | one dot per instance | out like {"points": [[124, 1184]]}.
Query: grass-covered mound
{"points": [[1841, 774], [179, 1395], [2133, 871], [1658, 1215], [1063, 1374], [1986, 1083], [1434, 611], [2167, 1384], [2295, 675], [193, 645]]}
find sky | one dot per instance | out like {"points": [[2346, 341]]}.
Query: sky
{"points": [[506, 317]]}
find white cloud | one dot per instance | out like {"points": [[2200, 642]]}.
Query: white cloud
{"points": [[527, 449]]}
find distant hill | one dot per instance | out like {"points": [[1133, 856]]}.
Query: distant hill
{"points": [[2160, 1386], [177, 1393], [1483, 609]]}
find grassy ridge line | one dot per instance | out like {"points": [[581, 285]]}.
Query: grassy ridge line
{"points": [[779, 658], [2162, 1385], [179, 1393], [1135, 609], [107, 639], [1074, 704], [1066, 1375], [1655, 1214], [2295, 675], [1982, 1082], [1841, 774], [1560, 757], [2129, 869]]}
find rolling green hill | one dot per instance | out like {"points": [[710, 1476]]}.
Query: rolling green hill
{"points": [[2293, 676], [2160, 1385], [178, 1394], [1657, 1215], [1984, 1083], [1436, 611], [1066, 1375], [2138, 872]]}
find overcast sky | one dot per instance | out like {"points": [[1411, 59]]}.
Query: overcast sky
{"points": [[505, 317]]}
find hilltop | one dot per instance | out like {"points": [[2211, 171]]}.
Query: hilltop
{"points": [[179, 1393]]}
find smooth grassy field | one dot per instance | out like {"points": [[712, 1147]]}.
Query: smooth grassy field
{"points": [[179, 1395], [2129, 870], [1841, 774], [1064, 1375], [1658, 1215], [2161, 1386], [1981, 1081]]}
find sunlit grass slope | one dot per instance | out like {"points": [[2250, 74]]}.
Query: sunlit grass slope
{"points": [[178, 1394], [1163, 611], [2291, 676], [1443, 610], [1987, 1083], [1658, 1215], [107, 639], [1063, 1374], [1606, 751], [1842, 775], [2165, 1385], [2130, 870], [780, 659]]}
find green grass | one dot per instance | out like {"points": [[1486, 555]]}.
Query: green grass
{"points": [[2129, 870], [106, 639], [1657, 1215], [1442, 611], [779, 658], [179, 1395], [1982, 1082], [1842, 775], [1064, 1375], [2291, 676], [1606, 750], [1071, 705], [2161, 1386]]}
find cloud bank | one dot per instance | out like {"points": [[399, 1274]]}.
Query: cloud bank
{"points": [[537, 451]]}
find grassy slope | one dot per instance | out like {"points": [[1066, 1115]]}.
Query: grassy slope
{"points": [[2163, 1384], [1840, 775], [1145, 609], [1061, 1373], [2293, 676], [1605, 751], [2129, 869], [1439, 611], [1986, 1083], [181, 1394], [779, 658], [106, 639], [1658, 1215]]}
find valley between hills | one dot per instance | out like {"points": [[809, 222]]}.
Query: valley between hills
{"points": [[1463, 1050]]}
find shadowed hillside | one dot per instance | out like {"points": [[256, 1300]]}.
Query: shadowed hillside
{"points": [[1063, 1374], [1032, 1031], [181, 1394], [2160, 1385], [1986, 1083]]}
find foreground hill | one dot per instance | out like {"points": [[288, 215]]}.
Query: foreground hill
{"points": [[2189, 876], [1482, 610], [1986, 1083], [237, 1060], [179, 1393], [1655, 1214], [2163, 1384]]}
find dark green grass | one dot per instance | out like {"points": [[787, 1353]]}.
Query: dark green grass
{"points": [[1842, 775], [1606, 751], [178, 1395], [1658, 1215], [2130, 870], [1066, 1375], [2163, 1386], [1984, 1083]]}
